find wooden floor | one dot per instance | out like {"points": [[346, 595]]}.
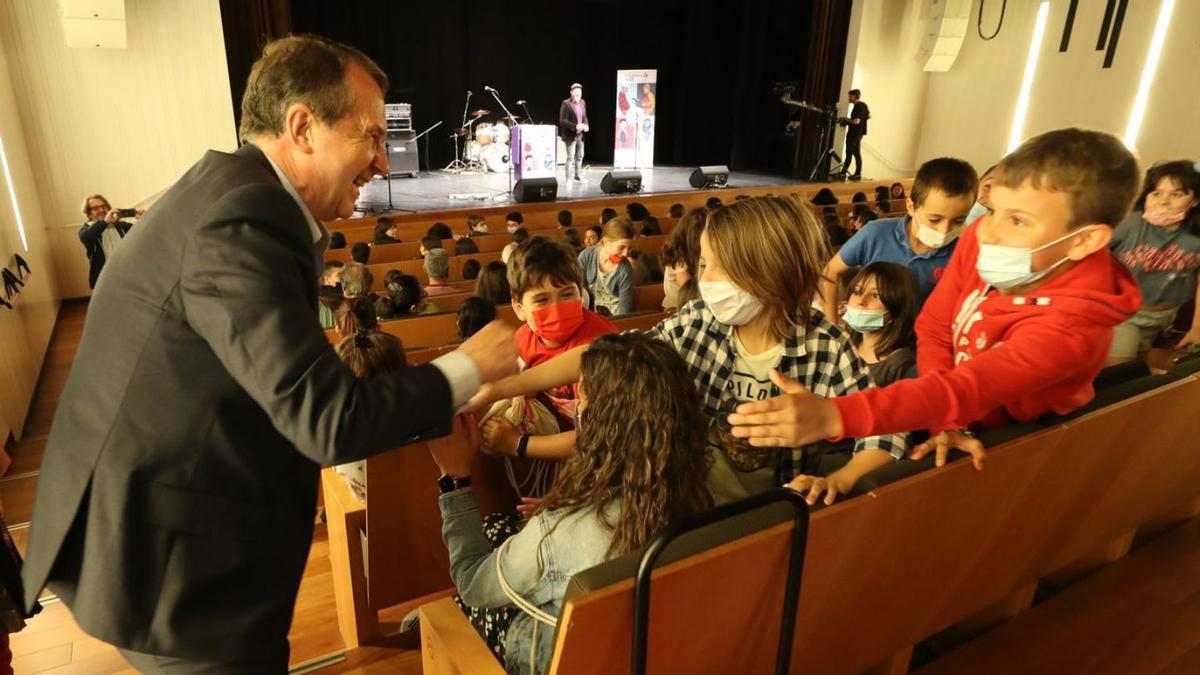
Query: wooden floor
{"points": [[52, 643]]}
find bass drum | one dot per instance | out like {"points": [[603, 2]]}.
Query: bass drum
{"points": [[495, 158], [501, 132]]}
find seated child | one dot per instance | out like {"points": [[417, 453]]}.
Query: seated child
{"points": [[880, 312], [368, 353]]}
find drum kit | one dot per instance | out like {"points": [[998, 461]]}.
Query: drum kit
{"points": [[486, 147]]}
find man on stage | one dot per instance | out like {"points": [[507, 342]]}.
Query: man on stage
{"points": [[856, 128], [572, 125]]}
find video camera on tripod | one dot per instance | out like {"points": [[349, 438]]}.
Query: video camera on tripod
{"points": [[821, 170]]}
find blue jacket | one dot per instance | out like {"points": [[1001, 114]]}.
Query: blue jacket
{"points": [[620, 283]]}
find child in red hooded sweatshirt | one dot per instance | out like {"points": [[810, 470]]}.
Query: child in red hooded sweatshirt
{"points": [[1020, 323], [547, 287]]}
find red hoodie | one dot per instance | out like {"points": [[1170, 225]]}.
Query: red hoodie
{"points": [[986, 358]]}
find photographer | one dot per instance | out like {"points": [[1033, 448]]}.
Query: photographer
{"points": [[102, 232], [856, 128]]}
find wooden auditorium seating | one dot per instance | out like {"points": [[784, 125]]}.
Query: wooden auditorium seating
{"points": [[408, 561], [409, 251], [886, 570]]}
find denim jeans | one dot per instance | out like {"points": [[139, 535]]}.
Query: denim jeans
{"points": [[575, 155]]}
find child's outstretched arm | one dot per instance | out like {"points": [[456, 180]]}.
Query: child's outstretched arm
{"points": [[560, 370]]}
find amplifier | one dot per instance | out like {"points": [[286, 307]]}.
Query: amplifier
{"points": [[398, 116], [402, 153]]}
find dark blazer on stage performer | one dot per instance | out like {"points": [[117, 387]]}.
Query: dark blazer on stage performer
{"points": [[567, 119], [176, 501]]}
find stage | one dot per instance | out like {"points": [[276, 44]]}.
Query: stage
{"points": [[436, 190]]}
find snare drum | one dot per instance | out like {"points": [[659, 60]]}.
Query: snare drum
{"points": [[484, 133], [472, 151], [501, 132]]}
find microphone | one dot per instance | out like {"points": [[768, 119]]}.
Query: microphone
{"points": [[470, 93], [521, 102], [487, 88]]}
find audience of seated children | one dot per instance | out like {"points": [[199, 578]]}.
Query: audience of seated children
{"points": [[676, 211], [368, 353], [360, 252], [405, 291], [591, 236], [547, 296], [883, 200], [492, 283], [386, 231], [437, 268], [897, 192], [465, 246], [1160, 244], [476, 225], [647, 269], [564, 218], [1020, 323], [712, 203], [824, 197], [329, 294], [354, 314], [832, 223], [753, 334], [859, 198], [428, 243], [681, 260], [606, 215], [337, 240], [637, 212], [639, 464], [880, 310], [519, 236], [514, 221], [923, 240], [607, 274]]}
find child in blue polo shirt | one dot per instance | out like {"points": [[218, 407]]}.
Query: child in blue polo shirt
{"points": [[942, 194]]}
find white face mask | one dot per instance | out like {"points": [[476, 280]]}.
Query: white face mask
{"points": [[976, 211], [1007, 267], [932, 238], [731, 305]]}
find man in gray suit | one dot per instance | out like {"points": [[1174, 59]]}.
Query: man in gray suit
{"points": [[176, 501]]}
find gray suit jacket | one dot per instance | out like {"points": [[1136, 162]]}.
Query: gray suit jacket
{"points": [[176, 500]]}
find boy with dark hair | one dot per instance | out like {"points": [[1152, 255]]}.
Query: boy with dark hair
{"points": [[547, 288], [676, 210], [428, 243], [1021, 322], [636, 211], [514, 221], [441, 231], [565, 218], [923, 240], [360, 253], [607, 215], [476, 225], [385, 231], [337, 240]]}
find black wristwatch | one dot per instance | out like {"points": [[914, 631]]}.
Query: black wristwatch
{"points": [[448, 483]]}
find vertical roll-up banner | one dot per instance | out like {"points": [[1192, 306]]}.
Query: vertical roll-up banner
{"points": [[633, 137]]}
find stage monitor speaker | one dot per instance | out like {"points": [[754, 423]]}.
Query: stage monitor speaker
{"points": [[402, 153], [710, 177], [536, 190], [619, 181]]}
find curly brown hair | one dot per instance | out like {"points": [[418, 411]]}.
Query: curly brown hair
{"points": [[641, 442]]}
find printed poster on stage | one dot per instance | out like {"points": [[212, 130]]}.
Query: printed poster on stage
{"points": [[534, 147], [633, 139]]}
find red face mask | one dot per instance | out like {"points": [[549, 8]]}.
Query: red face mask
{"points": [[559, 322], [615, 259]]}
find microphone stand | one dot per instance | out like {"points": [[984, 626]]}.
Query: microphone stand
{"points": [[457, 165], [496, 95], [527, 115], [418, 137]]}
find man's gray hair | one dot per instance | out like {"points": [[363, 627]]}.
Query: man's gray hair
{"points": [[437, 264], [301, 69], [356, 280]]}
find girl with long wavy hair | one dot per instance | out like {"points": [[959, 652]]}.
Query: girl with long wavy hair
{"points": [[640, 464]]}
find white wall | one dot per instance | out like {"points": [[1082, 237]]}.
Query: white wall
{"points": [[969, 110], [25, 329], [122, 122], [882, 62]]}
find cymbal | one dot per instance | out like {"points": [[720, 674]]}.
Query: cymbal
{"points": [[479, 113]]}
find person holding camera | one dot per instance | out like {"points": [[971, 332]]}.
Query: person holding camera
{"points": [[856, 128], [102, 232]]}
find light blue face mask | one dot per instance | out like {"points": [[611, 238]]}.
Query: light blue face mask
{"points": [[976, 211], [865, 320], [1006, 267]]}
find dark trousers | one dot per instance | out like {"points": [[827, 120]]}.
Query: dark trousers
{"points": [[853, 151], [150, 663]]}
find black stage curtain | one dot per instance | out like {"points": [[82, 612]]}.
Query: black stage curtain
{"points": [[716, 61]]}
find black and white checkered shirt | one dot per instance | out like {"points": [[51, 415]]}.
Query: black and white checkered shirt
{"points": [[820, 357]]}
